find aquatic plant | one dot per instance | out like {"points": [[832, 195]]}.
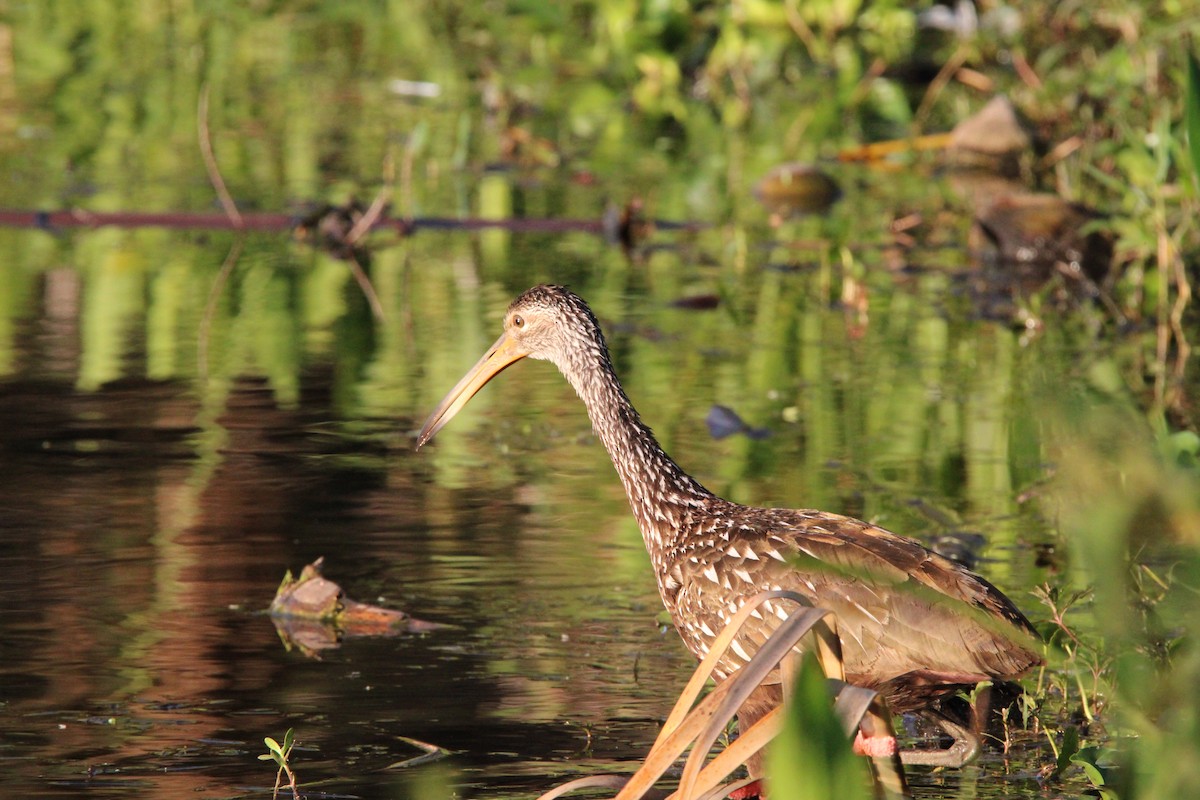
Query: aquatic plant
{"points": [[1129, 501], [280, 753]]}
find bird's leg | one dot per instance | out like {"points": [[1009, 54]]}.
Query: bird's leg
{"points": [[760, 701], [963, 750]]}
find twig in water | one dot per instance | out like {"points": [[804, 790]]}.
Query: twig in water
{"points": [[429, 752], [364, 283], [364, 224], [210, 307], [235, 217], [382, 197]]}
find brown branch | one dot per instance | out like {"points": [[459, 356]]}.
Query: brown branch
{"points": [[368, 220], [180, 220], [210, 160], [364, 283], [1183, 297], [803, 32]]}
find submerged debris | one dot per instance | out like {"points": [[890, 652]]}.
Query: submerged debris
{"points": [[723, 421], [1042, 229], [697, 302], [794, 189], [626, 225], [314, 614]]}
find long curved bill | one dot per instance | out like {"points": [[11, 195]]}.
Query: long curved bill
{"points": [[504, 352]]}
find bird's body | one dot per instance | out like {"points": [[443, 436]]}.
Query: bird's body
{"points": [[913, 624]]}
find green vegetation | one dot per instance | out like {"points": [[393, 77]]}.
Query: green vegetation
{"points": [[811, 759], [279, 753], [1132, 516]]}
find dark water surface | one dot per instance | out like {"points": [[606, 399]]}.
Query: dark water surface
{"points": [[138, 561]]}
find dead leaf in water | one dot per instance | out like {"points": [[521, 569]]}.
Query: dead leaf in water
{"points": [[996, 136], [1026, 228], [698, 302], [791, 189], [723, 421]]}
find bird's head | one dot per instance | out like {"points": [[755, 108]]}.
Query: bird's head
{"points": [[546, 322]]}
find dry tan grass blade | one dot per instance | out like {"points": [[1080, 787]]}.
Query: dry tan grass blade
{"points": [[888, 771], [742, 748], [700, 724], [719, 646], [682, 727], [746, 680]]}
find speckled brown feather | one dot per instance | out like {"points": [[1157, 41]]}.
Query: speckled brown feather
{"points": [[911, 622]]}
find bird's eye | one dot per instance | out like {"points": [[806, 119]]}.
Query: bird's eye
{"points": [[519, 321]]}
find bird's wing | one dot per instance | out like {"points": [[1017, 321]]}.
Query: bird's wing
{"points": [[900, 608]]}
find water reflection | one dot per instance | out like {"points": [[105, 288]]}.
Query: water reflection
{"points": [[139, 551]]}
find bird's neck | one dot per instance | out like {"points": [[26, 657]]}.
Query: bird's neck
{"points": [[663, 497]]}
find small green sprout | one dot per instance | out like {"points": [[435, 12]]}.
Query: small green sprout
{"points": [[279, 754]]}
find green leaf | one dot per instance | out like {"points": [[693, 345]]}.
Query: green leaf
{"points": [[1070, 746], [1088, 759], [1192, 114], [889, 100], [1093, 772], [288, 739], [811, 758], [273, 745]]}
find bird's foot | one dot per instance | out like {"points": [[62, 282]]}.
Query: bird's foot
{"points": [[963, 750], [874, 746]]}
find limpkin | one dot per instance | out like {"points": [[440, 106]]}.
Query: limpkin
{"points": [[914, 625]]}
